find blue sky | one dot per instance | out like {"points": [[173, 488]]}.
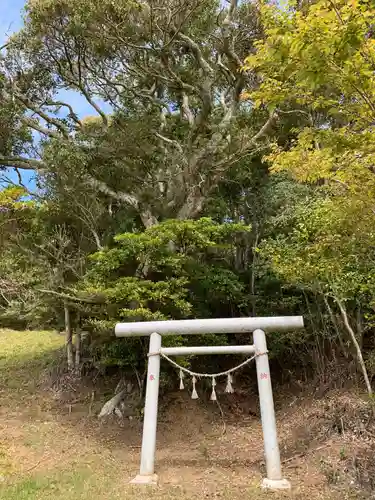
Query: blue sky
{"points": [[10, 17], [10, 21]]}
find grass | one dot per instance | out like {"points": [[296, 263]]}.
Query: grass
{"points": [[49, 450], [23, 356]]}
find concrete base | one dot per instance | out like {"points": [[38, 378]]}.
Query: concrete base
{"points": [[276, 484], [146, 480]]}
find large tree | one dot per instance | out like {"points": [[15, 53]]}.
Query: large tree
{"points": [[318, 61], [165, 80]]}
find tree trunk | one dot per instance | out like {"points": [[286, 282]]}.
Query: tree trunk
{"points": [[147, 218], [356, 345], [192, 206], [77, 346], [359, 325], [98, 243], [68, 337], [337, 330], [252, 280]]}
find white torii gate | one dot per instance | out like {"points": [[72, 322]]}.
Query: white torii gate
{"points": [[157, 329]]}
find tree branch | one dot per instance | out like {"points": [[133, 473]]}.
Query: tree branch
{"points": [[229, 17], [71, 114], [20, 183], [356, 344], [48, 119], [264, 129], [22, 162], [121, 196], [186, 109], [64, 296], [148, 219], [169, 141], [94, 105], [227, 49], [194, 47], [42, 130]]}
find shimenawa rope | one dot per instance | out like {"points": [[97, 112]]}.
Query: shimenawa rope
{"points": [[195, 375]]}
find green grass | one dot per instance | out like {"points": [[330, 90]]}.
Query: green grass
{"points": [[24, 355], [18, 347], [78, 483], [84, 484]]}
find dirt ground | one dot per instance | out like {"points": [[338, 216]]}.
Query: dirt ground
{"points": [[56, 448]]}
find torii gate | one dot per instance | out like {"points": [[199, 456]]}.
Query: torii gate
{"points": [[258, 326]]}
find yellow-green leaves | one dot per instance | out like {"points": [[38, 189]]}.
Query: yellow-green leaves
{"points": [[321, 62], [326, 49], [328, 249]]}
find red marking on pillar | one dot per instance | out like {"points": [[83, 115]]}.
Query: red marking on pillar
{"points": [[264, 376], [152, 377]]}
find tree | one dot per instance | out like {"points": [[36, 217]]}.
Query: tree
{"points": [[176, 269], [335, 92], [42, 256], [173, 270], [172, 76], [328, 250]]}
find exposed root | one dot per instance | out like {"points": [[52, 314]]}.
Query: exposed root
{"points": [[112, 407]]}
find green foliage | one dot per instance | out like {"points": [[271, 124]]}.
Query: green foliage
{"points": [[327, 249], [175, 270], [169, 271], [319, 63], [279, 156]]}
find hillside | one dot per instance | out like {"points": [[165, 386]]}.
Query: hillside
{"points": [[53, 446]]}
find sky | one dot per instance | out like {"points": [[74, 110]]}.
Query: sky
{"points": [[11, 21]]}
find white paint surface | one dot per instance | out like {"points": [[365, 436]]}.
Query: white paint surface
{"points": [[203, 350], [202, 326]]}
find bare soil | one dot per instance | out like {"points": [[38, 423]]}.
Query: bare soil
{"points": [[53, 446]]}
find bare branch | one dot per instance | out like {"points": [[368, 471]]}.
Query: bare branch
{"points": [[229, 17], [70, 297], [22, 162], [186, 109], [77, 85], [121, 196], [148, 219], [32, 123], [264, 129], [227, 24], [94, 105], [227, 72], [20, 184], [355, 343], [71, 114], [47, 118], [194, 47], [42, 130], [169, 141]]}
